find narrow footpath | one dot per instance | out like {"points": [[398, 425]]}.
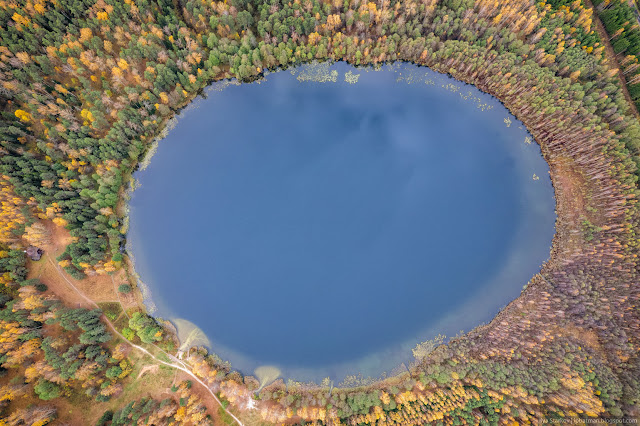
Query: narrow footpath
{"points": [[177, 364]]}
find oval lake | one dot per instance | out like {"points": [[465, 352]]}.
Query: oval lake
{"points": [[326, 226]]}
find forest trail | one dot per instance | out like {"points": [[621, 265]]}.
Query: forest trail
{"points": [[611, 54], [97, 288], [176, 363], [148, 368]]}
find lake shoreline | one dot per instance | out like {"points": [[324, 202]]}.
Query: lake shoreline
{"points": [[562, 166], [409, 171], [170, 121]]}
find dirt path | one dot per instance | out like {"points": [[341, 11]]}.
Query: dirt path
{"points": [[148, 368], [611, 56], [98, 288], [176, 363]]}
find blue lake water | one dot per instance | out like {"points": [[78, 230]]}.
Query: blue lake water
{"points": [[326, 228]]}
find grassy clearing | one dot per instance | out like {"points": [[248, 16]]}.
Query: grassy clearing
{"points": [[225, 417], [112, 310], [121, 322], [154, 382]]}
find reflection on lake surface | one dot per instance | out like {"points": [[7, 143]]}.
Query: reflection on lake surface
{"points": [[326, 220]]}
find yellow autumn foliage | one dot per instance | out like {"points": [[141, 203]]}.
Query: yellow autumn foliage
{"points": [[60, 221], [87, 115], [85, 34], [11, 217], [23, 115]]}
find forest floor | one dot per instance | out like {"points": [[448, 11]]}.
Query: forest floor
{"points": [[154, 371], [572, 201], [98, 288]]}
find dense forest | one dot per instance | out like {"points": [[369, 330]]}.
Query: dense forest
{"points": [[622, 23], [88, 85]]}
